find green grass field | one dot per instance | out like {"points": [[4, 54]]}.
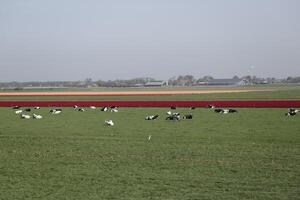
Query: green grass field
{"points": [[254, 154]]}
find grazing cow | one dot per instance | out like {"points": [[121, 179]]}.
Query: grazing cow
{"points": [[218, 110], [16, 107], [34, 116], [36, 107], [104, 109], [188, 116], [173, 107], [193, 108], [151, 117], [18, 111], [93, 107], [27, 109], [290, 114], [81, 110], [25, 116], [109, 122]]}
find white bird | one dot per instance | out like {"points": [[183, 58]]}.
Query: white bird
{"points": [[25, 116], [18, 111], [109, 122], [35, 116]]}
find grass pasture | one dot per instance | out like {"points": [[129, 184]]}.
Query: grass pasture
{"points": [[254, 154]]}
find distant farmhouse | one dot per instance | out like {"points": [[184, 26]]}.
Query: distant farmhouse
{"points": [[156, 84], [231, 81]]}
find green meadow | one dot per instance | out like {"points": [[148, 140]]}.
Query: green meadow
{"points": [[253, 154]]}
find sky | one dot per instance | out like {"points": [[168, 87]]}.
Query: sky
{"points": [[69, 40]]}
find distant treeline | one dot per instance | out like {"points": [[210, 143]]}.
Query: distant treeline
{"points": [[182, 80]]}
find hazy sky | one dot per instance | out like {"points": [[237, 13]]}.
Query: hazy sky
{"points": [[118, 39]]}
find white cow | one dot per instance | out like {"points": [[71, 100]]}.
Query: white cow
{"points": [[35, 116], [18, 111], [109, 122], [25, 116], [93, 107]]}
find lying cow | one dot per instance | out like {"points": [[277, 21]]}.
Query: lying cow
{"points": [[23, 116], [104, 109], [109, 122], [34, 116], [188, 116], [151, 117]]}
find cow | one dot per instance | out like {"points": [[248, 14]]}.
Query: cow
{"points": [[104, 109], [210, 106], [192, 108], [28, 109], [81, 109], [173, 117], [115, 109], [151, 117], [188, 116], [34, 116], [109, 122], [56, 111], [290, 114], [37, 107], [169, 113], [173, 107], [16, 107], [75, 107], [93, 107], [232, 111], [18, 111], [23, 116], [225, 111]]}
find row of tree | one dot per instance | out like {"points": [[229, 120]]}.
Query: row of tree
{"points": [[182, 80]]}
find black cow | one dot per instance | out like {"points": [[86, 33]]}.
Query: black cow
{"points": [[232, 111], [193, 108], [16, 107], [173, 107], [188, 116], [27, 109], [219, 110]]}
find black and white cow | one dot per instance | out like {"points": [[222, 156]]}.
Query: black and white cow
{"points": [[210, 106], [104, 109], [16, 107], [151, 117], [188, 116], [225, 111], [291, 112], [81, 109]]}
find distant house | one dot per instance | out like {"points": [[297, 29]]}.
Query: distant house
{"points": [[233, 81], [155, 84]]}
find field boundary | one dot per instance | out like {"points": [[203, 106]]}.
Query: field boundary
{"points": [[146, 103]]}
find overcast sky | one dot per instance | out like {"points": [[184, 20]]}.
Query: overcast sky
{"points": [[42, 40]]}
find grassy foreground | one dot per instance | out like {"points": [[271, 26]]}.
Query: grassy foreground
{"points": [[254, 154]]}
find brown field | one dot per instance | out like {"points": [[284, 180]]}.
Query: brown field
{"points": [[127, 93]]}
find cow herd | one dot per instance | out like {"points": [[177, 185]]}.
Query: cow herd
{"points": [[170, 116]]}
